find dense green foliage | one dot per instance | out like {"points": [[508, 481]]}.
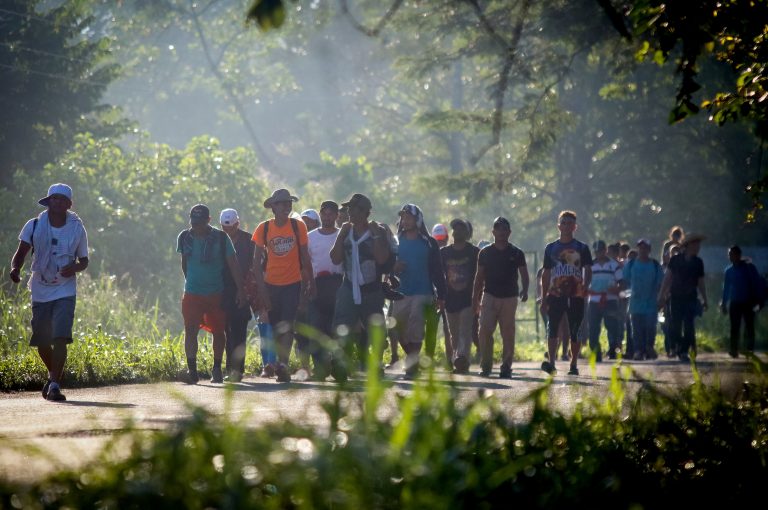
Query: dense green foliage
{"points": [[52, 77], [697, 446]]}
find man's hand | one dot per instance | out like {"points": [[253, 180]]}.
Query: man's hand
{"points": [[524, 297], [15, 275], [440, 304], [70, 269], [345, 228]]}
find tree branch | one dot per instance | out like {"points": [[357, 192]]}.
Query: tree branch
{"points": [[375, 31], [263, 156]]}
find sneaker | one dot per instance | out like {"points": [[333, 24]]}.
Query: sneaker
{"points": [[282, 373], [461, 365], [55, 394], [733, 354], [565, 357], [652, 354], [548, 367], [638, 356], [192, 377], [485, 372], [268, 371], [684, 358], [216, 376], [505, 373], [339, 371], [45, 388], [233, 377], [573, 371]]}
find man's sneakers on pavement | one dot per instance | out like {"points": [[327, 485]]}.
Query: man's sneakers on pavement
{"points": [[461, 365], [548, 367], [505, 372], [217, 377], [192, 377], [282, 373], [45, 389], [573, 371], [54, 393]]}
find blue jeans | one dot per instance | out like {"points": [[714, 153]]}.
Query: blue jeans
{"points": [[643, 332], [608, 314], [682, 330]]}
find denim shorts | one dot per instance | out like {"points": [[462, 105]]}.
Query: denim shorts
{"points": [[52, 321]]}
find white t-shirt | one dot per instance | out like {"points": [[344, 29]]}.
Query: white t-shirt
{"points": [[44, 290], [605, 276], [320, 252]]}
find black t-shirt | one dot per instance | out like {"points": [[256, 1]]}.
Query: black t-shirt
{"points": [[501, 268], [685, 275], [460, 267]]}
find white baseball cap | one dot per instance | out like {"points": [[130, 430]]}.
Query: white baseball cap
{"points": [[311, 214], [56, 189], [229, 217]]}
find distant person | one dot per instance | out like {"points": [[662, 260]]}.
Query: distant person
{"points": [[603, 307], [236, 328], [304, 350], [206, 253], [328, 278], [496, 295], [669, 347], [643, 276], [460, 265], [683, 282], [674, 237], [440, 233], [282, 241], [562, 331], [567, 274], [740, 298], [59, 245], [311, 219], [422, 282], [343, 216], [432, 320], [362, 248]]}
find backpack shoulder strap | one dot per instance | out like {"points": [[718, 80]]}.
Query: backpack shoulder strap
{"points": [[295, 226], [32, 237]]}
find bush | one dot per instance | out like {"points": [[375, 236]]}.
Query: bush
{"points": [[696, 446]]}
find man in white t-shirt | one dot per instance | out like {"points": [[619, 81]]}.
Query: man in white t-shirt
{"points": [[59, 246], [604, 302], [328, 277]]}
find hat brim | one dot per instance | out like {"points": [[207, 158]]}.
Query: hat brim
{"points": [[44, 201], [271, 200], [693, 239]]}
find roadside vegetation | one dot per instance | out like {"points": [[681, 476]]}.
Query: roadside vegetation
{"points": [[697, 446]]}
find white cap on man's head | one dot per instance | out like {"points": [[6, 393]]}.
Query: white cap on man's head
{"points": [[311, 214], [229, 217], [56, 189]]}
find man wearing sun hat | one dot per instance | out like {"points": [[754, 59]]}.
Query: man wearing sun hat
{"points": [[59, 246], [282, 241], [683, 285]]}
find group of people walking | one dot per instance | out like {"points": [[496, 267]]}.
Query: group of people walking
{"points": [[324, 278]]}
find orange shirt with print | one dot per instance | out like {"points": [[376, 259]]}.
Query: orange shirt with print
{"points": [[283, 267]]}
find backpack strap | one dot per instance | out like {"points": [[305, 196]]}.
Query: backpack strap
{"points": [[32, 237], [295, 225]]}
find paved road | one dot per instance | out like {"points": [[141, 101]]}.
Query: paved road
{"points": [[72, 432]]}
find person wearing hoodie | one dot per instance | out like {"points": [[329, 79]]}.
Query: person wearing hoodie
{"points": [[422, 283]]}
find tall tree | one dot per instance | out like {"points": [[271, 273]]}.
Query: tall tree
{"points": [[54, 72]]}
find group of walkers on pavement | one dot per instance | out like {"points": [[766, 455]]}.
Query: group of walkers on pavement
{"points": [[332, 278]]}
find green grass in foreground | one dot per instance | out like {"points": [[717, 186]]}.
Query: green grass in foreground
{"points": [[695, 447]]}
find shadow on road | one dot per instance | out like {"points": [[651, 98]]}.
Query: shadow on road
{"points": [[85, 403]]}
